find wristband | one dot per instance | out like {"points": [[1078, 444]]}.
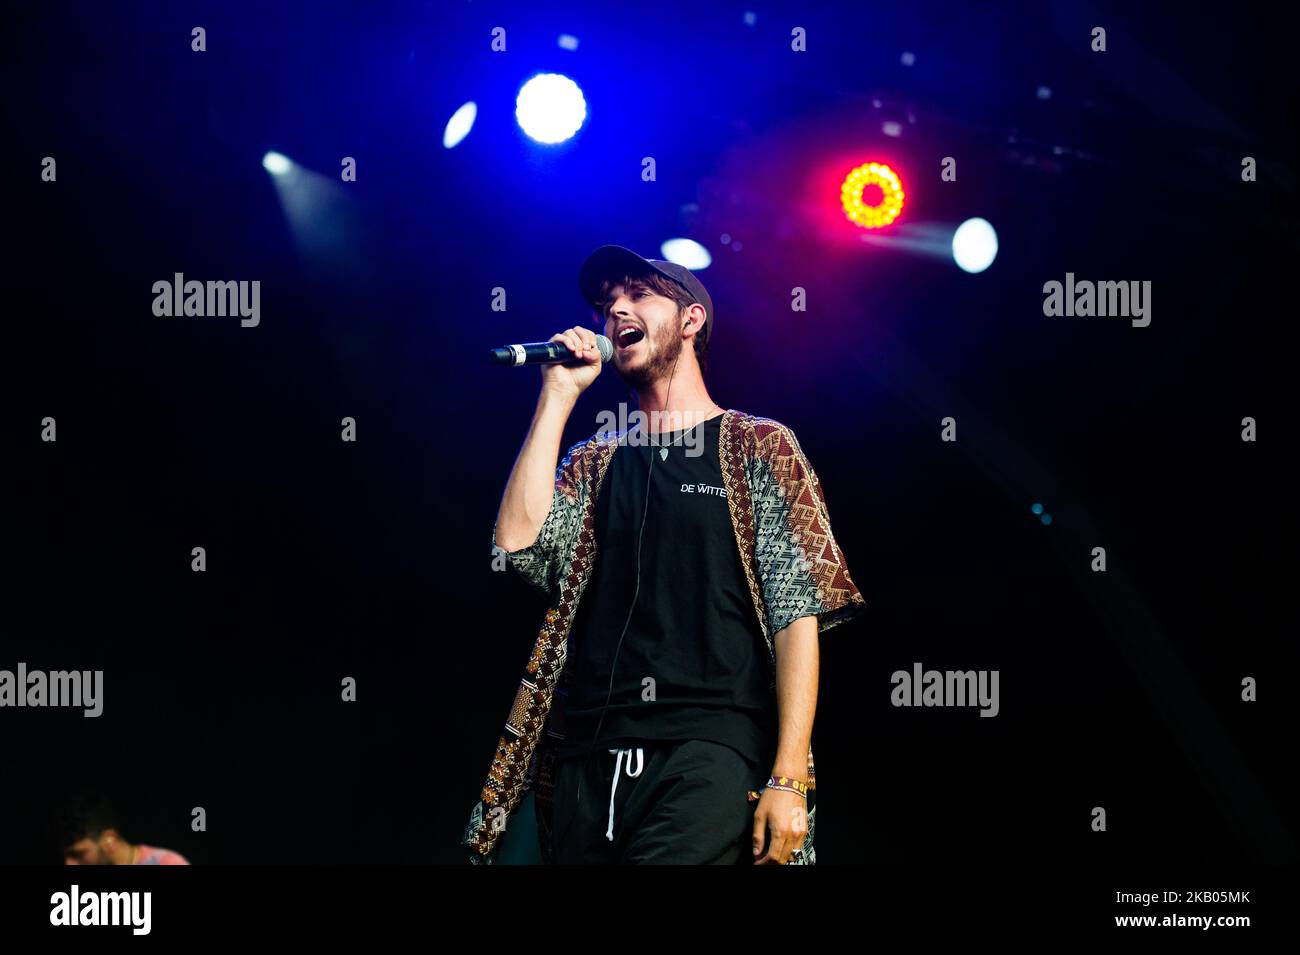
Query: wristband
{"points": [[786, 784]]}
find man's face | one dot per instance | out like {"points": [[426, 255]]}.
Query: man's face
{"points": [[646, 331], [86, 851]]}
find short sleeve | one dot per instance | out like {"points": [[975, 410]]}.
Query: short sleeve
{"points": [[803, 572], [541, 562]]}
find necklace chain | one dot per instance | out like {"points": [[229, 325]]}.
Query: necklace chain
{"points": [[684, 433]]}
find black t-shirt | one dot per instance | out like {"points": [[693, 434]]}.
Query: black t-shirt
{"points": [[693, 631]]}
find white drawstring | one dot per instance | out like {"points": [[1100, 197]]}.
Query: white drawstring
{"points": [[618, 764]]}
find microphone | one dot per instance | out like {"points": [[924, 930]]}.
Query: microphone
{"points": [[546, 353]]}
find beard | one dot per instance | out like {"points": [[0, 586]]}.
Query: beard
{"points": [[661, 355]]}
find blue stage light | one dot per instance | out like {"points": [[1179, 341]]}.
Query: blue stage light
{"points": [[974, 245], [458, 127], [277, 164], [550, 108], [687, 253]]}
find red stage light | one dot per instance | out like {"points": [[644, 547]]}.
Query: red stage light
{"points": [[877, 215]]}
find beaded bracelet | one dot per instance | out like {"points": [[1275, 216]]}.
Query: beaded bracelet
{"points": [[786, 784]]}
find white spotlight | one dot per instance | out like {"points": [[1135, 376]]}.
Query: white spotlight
{"points": [[550, 108], [277, 164], [687, 253], [974, 245], [458, 127]]}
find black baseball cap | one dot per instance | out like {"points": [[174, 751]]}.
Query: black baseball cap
{"points": [[613, 261]]}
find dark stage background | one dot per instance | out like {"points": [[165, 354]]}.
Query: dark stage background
{"points": [[372, 560]]}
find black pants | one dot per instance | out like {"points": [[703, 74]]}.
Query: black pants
{"points": [[675, 802]]}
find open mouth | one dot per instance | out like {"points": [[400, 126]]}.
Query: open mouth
{"points": [[628, 337]]}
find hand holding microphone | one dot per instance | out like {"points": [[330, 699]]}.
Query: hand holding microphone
{"points": [[570, 360]]}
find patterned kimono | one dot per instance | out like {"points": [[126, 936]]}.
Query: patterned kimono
{"points": [[792, 565]]}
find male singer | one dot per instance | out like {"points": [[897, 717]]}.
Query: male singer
{"points": [[89, 835], [666, 712]]}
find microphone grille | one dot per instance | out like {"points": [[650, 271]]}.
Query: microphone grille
{"points": [[605, 347]]}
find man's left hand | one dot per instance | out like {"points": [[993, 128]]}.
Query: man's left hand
{"points": [[781, 820]]}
